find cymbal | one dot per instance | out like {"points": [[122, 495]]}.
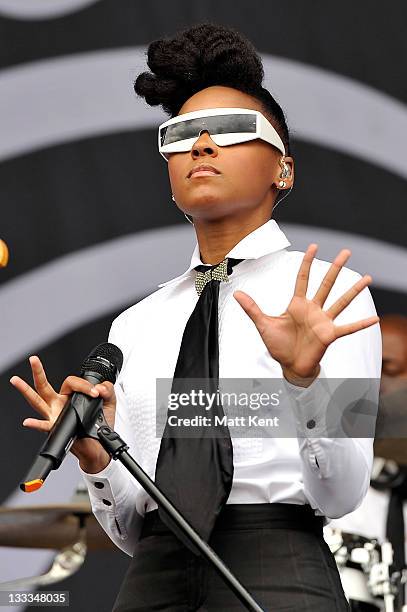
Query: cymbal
{"points": [[51, 526], [391, 448]]}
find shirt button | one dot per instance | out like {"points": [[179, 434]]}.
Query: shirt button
{"points": [[107, 502], [311, 424], [99, 485]]}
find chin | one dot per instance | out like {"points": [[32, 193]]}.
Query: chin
{"points": [[209, 204], [203, 202]]}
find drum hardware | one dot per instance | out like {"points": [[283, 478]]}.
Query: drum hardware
{"points": [[364, 568], [402, 581], [383, 583]]}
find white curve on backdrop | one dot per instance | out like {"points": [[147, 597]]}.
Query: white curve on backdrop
{"points": [[90, 94], [32, 10]]}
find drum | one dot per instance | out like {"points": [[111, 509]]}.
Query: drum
{"points": [[356, 558]]}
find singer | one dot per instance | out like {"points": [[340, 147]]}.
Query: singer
{"points": [[245, 307]]}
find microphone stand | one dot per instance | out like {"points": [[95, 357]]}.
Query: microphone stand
{"points": [[117, 449]]}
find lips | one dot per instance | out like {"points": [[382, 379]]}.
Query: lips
{"points": [[203, 170]]}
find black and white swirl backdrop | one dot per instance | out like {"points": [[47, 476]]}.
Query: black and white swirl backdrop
{"points": [[85, 198]]}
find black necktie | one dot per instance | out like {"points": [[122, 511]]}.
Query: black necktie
{"points": [[196, 473]]}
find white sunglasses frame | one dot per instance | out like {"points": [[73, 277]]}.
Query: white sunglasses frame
{"points": [[264, 130]]}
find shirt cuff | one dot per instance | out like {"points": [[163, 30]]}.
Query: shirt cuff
{"points": [[309, 406], [107, 487]]}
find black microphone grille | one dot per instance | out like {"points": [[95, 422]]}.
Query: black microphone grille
{"points": [[106, 359]]}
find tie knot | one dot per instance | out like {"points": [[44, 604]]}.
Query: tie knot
{"points": [[219, 272]]}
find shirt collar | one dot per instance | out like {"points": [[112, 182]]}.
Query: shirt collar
{"points": [[266, 239]]}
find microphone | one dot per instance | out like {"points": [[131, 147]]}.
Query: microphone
{"points": [[77, 417]]}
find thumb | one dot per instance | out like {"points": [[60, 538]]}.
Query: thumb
{"points": [[250, 307]]}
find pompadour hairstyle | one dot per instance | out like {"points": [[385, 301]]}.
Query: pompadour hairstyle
{"points": [[201, 56]]}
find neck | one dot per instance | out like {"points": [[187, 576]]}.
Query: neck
{"points": [[216, 237]]}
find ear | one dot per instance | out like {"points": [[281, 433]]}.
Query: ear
{"points": [[288, 179]]}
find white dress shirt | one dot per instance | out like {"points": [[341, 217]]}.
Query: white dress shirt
{"points": [[330, 474]]}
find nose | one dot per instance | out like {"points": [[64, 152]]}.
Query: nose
{"points": [[204, 146]]}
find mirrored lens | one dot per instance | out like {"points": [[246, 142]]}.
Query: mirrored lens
{"points": [[217, 124]]}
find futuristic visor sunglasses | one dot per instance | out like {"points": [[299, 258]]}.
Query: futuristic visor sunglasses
{"points": [[226, 126]]}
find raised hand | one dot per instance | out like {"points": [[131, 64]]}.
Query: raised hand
{"points": [[48, 403], [299, 337]]}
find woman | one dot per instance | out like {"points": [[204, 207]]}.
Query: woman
{"points": [[227, 177]]}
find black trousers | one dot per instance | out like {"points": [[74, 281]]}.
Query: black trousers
{"points": [[277, 551]]}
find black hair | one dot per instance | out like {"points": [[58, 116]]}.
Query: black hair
{"points": [[201, 56]]}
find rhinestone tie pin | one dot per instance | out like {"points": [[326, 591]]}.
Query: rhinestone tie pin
{"points": [[218, 272]]}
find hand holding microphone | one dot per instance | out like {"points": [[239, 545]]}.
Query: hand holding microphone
{"points": [[76, 411], [50, 404]]}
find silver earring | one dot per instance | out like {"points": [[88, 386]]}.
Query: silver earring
{"points": [[286, 172], [173, 199], [282, 184]]}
